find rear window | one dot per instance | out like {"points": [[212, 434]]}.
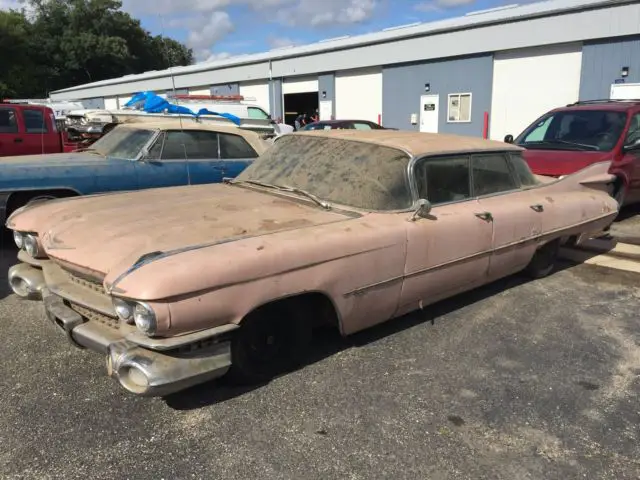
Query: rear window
{"points": [[8, 121], [578, 130]]}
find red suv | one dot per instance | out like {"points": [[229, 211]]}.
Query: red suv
{"points": [[570, 138]]}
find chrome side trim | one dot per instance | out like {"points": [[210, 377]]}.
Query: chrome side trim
{"points": [[538, 238], [171, 343]]}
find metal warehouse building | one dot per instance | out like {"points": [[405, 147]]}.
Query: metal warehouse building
{"points": [[502, 67]]}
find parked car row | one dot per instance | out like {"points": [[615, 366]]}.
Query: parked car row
{"points": [[347, 228]]}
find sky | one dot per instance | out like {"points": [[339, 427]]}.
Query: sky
{"points": [[218, 29]]}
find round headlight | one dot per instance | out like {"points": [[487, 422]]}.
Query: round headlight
{"points": [[19, 239], [31, 245], [145, 318], [124, 310]]}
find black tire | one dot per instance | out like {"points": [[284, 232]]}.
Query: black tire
{"points": [[544, 260], [272, 340]]}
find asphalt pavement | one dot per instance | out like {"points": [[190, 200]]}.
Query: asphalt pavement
{"points": [[517, 380]]}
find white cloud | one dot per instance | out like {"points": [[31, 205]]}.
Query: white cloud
{"points": [[209, 56], [316, 13], [280, 42], [439, 5]]}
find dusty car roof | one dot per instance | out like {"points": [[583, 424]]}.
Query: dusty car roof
{"points": [[416, 143], [254, 139]]}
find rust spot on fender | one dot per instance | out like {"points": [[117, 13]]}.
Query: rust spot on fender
{"points": [[270, 225], [549, 199]]}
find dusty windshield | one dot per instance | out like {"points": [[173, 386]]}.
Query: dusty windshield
{"points": [[356, 174], [123, 143], [588, 130]]}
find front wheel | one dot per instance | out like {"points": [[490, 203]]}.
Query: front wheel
{"points": [[544, 260], [270, 341]]}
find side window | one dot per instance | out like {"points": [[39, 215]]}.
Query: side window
{"points": [[156, 149], [8, 121], [491, 174], [361, 126], [257, 113], [522, 170], [195, 144], [34, 121], [633, 134], [443, 180], [234, 146]]}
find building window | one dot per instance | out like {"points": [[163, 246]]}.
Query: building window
{"points": [[459, 108]]}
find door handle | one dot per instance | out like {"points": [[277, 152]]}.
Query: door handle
{"points": [[537, 208], [17, 140], [486, 216]]}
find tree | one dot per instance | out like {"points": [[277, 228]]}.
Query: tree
{"points": [[61, 43]]}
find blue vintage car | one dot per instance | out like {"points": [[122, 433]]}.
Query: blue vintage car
{"points": [[130, 157]]}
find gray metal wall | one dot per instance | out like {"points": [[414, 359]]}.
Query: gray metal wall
{"points": [[93, 103], [275, 99], [327, 84], [403, 85], [602, 62], [225, 89]]}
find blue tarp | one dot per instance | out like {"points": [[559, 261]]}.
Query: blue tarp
{"points": [[151, 103]]}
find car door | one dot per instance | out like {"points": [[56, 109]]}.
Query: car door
{"points": [[38, 135], [11, 141], [514, 212], [448, 252], [166, 163], [632, 156], [236, 154]]}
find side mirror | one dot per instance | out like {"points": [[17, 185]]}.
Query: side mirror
{"points": [[423, 210], [632, 146], [508, 138]]}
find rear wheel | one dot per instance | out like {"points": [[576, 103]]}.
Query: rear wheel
{"points": [[270, 341], [544, 260]]}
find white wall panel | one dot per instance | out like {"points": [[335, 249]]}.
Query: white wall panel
{"points": [[200, 91], [257, 90], [299, 85], [529, 82], [111, 103], [122, 100], [359, 94]]}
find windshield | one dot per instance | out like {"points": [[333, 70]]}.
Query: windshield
{"points": [[356, 174], [588, 130], [122, 142]]}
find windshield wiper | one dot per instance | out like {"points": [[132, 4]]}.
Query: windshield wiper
{"points": [[583, 146], [304, 193], [285, 188]]}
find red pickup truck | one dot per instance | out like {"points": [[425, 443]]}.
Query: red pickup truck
{"points": [[30, 130]]}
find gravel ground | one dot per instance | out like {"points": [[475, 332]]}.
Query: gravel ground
{"points": [[517, 380]]}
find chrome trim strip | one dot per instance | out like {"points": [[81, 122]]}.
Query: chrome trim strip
{"points": [[535, 238], [170, 343]]}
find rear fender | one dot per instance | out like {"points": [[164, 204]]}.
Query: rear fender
{"points": [[594, 176]]}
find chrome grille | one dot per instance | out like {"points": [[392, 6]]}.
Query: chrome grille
{"points": [[94, 316], [85, 282]]}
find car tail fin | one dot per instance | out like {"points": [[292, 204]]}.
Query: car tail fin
{"points": [[595, 176]]}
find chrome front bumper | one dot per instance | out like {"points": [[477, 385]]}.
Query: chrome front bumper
{"points": [[165, 368]]}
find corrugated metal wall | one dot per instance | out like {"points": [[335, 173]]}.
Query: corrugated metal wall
{"points": [[602, 62], [403, 85], [226, 89]]}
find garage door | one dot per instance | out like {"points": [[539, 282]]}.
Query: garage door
{"points": [[529, 82], [111, 103], [359, 94], [299, 85], [257, 90], [200, 91]]}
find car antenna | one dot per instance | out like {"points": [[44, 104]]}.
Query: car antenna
{"points": [[177, 100]]}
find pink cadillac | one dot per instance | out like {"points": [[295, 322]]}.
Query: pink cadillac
{"points": [[176, 286]]}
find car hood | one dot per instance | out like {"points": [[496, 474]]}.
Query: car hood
{"points": [[49, 160], [112, 232], [562, 162]]}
